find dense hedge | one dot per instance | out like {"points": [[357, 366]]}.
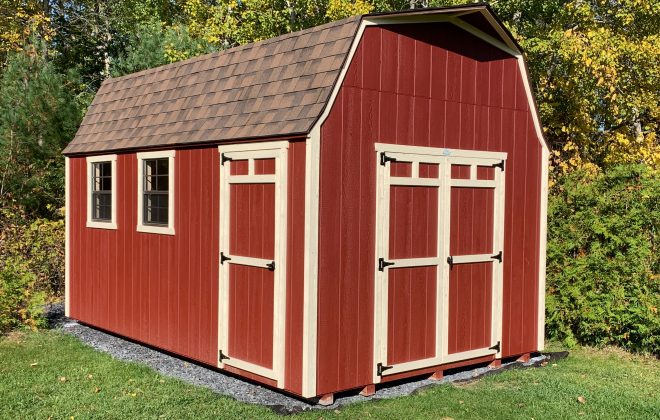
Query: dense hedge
{"points": [[31, 268], [604, 258]]}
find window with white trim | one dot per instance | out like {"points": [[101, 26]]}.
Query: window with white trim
{"points": [[102, 192], [156, 192]]}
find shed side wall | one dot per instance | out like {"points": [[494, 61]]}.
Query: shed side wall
{"points": [[423, 85], [162, 290]]}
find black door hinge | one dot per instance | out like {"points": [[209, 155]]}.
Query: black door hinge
{"points": [[382, 264], [221, 356], [380, 368], [271, 266], [499, 165], [223, 258], [495, 347], [224, 158], [450, 261], [384, 159], [497, 256]]}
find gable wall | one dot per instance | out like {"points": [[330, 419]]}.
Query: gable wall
{"points": [[424, 85]]}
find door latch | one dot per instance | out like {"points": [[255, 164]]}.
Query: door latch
{"points": [[382, 264]]}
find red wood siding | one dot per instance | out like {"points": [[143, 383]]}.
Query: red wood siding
{"points": [[470, 285], [162, 289], [412, 291], [295, 266], [424, 85], [158, 289]]}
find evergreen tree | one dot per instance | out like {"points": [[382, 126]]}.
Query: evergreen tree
{"points": [[39, 115]]}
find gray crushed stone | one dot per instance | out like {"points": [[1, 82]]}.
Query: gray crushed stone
{"points": [[250, 392]]}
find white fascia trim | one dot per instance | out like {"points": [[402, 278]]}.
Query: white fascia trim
{"points": [[67, 237], [141, 227], [112, 224]]}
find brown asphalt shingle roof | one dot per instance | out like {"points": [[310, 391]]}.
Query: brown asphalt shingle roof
{"points": [[277, 87], [270, 88]]}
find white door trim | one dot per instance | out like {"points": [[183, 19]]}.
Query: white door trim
{"points": [[250, 151]]}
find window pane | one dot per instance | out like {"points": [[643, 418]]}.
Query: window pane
{"points": [[101, 206], [106, 183], [156, 175], [162, 166], [155, 208]]}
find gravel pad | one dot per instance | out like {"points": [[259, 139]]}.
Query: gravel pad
{"points": [[247, 391]]}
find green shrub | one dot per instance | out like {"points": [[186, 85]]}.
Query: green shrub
{"points": [[603, 258], [39, 244], [20, 302]]}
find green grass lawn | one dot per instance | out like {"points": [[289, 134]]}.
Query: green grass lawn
{"points": [[49, 374]]}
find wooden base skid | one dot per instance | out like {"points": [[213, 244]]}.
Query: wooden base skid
{"points": [[327, 399], [495, 364]]}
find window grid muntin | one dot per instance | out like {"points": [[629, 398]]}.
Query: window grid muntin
{"points": [[102, 191], [155, 207]]}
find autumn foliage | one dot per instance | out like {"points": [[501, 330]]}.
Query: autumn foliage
{"points": [[595, 69]]}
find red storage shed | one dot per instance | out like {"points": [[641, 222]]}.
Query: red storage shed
{"points": [[327, 210]]}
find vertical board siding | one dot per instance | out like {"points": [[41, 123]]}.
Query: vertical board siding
{"points": [[412, 291], [423, 85], [163, 289], [295, 286], [157, 289]]}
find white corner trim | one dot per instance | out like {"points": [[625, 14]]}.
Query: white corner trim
{"points": [[141, 227], [310, 293], [543, 238], [112, 224], [67, 237]]}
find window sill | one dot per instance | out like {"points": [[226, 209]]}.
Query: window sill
{"points": [[102, 225], [162, 230]]}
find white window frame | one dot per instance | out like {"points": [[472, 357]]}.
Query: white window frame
{"points": [[141, 226], [97, 224]]}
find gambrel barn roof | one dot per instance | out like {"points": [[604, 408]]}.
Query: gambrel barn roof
{"points": [[273, 88]]}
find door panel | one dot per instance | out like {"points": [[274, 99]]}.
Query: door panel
{"points": [[413, 222], [412, 314], [251, 314], [252, 220], [252, 292], [471, 227], [470, 288], [412, 290]]}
